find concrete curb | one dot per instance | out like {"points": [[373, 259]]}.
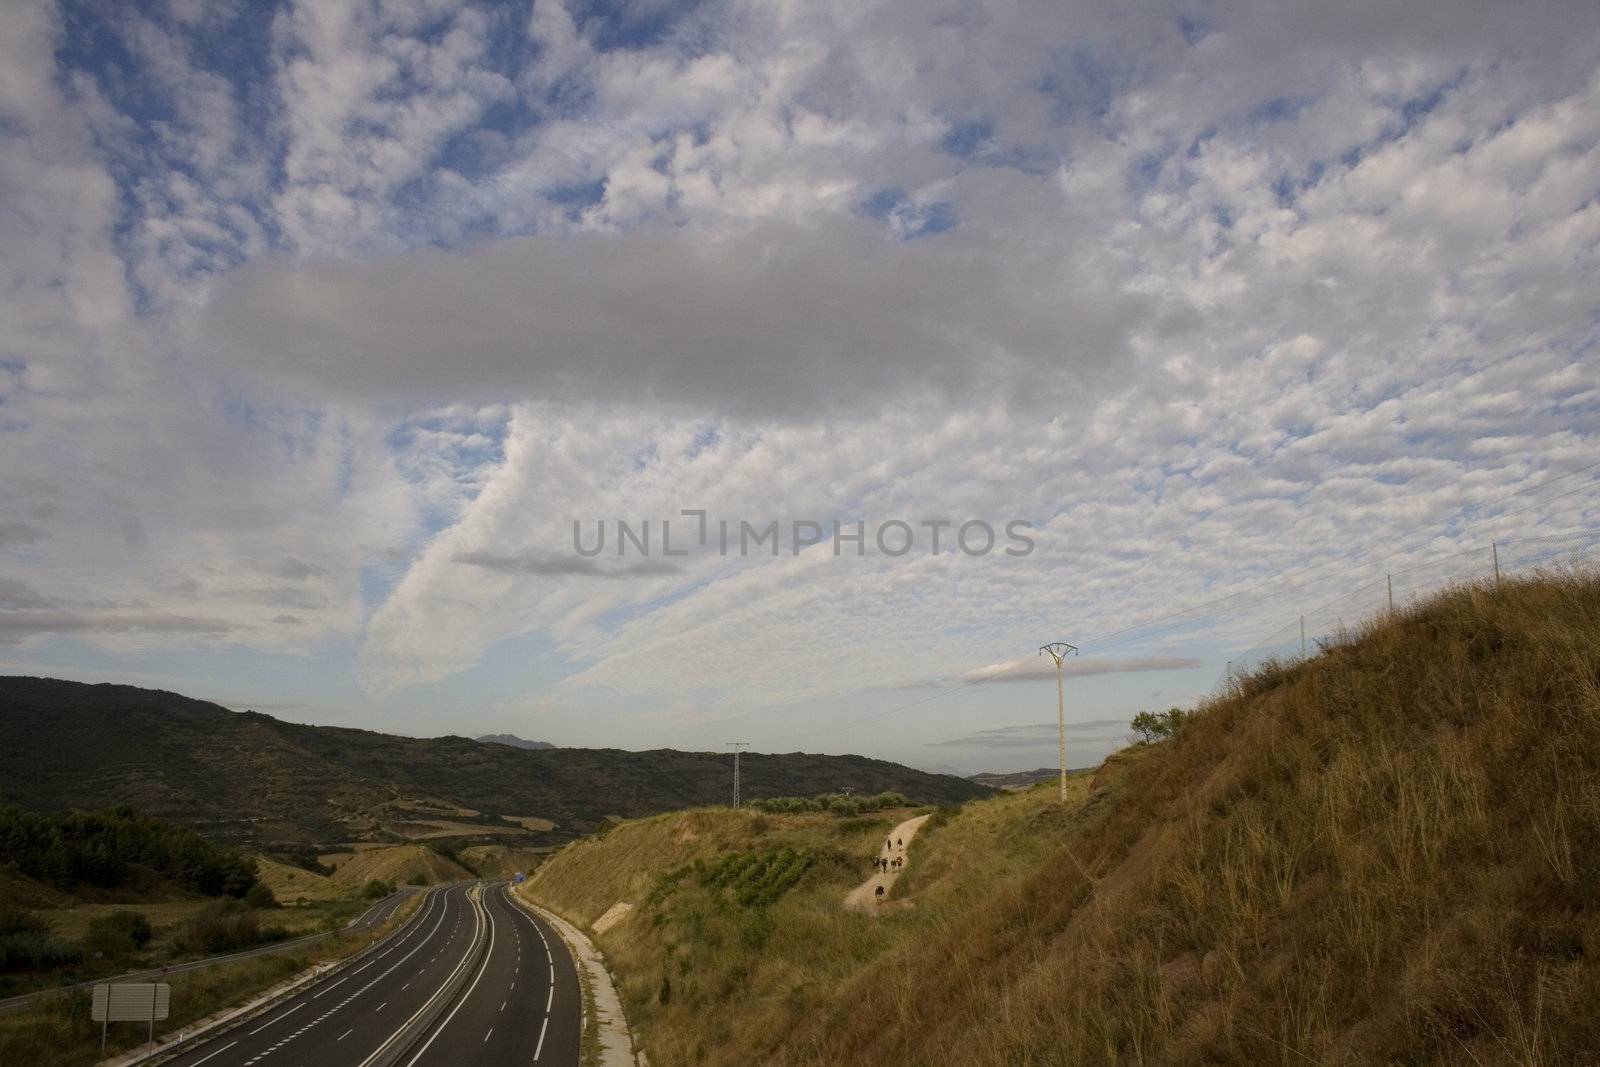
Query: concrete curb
{"points": [[616, 1040]]}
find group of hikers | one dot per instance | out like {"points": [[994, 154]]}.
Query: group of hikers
{"points": [[889, 864]]}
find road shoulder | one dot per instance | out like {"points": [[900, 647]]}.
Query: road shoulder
{"points": [[616, 1040]]}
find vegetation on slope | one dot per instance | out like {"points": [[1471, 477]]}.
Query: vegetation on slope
{"points": [[277, 785], [1390, 853], [115, 848]]}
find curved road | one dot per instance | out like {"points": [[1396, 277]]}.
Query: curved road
{"points": [[471, 978]]}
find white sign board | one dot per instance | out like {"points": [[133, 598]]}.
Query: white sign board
{"points": [[131, 1002]]}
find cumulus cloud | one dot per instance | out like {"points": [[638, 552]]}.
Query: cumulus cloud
{"points": [[323, 354]]}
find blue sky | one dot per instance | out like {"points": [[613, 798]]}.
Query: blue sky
{"points": [[326, 321]]}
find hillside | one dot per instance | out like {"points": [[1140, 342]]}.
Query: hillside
{"points": [[513, 740], [1387, 854], [252, 778]]}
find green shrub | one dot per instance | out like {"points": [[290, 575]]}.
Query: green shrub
{"points": [[260, 896], [377, 889], [122, 933], [224, 926]]}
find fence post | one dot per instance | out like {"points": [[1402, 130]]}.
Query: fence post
{"points": [[1302, 637], [1390, 579], [1494, 546]]}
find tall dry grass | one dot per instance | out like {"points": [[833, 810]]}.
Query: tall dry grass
{"points": [[1387, 854]]}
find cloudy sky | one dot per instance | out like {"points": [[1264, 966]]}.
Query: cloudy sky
{"points": [[322, 324]]}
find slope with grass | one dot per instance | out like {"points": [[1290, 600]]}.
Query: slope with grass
{"points": [[1389, 853]]}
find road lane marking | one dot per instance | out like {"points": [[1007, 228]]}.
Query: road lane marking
{"points": [[335, 985], [486, 1036], [219, 1052], [548, 999], [346, 1034], [285, 1015], [380, 1007], [487, 956], [540, 1046]]}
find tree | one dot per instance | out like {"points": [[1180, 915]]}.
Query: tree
{"points": [[1154, 726]]}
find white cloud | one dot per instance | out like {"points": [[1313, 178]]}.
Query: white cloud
{"points": [[328, 351]]}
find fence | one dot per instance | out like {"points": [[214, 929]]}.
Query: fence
{"points": [[1305, 633]]}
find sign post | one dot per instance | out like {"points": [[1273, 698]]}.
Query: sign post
{"points": [[119, 1002]]}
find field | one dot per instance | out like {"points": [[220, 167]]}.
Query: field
{"points": [[1387, 854]]}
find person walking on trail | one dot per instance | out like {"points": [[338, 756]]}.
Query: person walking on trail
{"points": [[900, 841], [879, 894]]}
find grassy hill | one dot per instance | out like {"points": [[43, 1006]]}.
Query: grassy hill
{"points": [[252, 778], [1387, 854]]}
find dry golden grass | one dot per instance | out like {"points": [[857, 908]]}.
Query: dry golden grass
{"points": [[501, 861], [397, 864], [1389, 854], [289, 883]]}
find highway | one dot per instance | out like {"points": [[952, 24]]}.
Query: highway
{"points": [[470, 978], [376, 915]]}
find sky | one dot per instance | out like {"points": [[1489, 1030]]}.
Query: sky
{"points": [[333, 336]]}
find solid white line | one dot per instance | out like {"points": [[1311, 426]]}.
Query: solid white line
{"points": [[219, 1052], [323, 990], [540, 1046], [487, 956], [285, 1015]]}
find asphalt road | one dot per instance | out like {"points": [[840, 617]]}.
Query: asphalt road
{"points": [[373, 916], [522, 1005], [478, 969]]}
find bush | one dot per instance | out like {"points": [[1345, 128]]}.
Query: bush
{"points": [[834, 803], [417, 879], [377, 889], [29, 942], [260, 896], [225, 926], [122, 933]]}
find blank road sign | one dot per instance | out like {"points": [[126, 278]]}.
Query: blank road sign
{"points": [[128, 1002]]}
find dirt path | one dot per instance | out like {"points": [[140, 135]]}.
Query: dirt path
{"points": [[864, 897]]}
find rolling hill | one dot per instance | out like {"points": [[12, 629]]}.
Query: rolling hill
{"points": [[250, 778], [1386, 854]]}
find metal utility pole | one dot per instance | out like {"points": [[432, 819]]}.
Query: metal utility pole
{"points": [[1390, 579], [736, 746], [1495, 547], [1302, 637], [1059, 651]]}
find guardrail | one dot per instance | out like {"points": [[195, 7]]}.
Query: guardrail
{"points": [[266, 1003], [22, 1001], [404, 1040]]}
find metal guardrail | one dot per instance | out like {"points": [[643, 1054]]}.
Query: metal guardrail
{"points": [[23, 1001], [252, 1011]]}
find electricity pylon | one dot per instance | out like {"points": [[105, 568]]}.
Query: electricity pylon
{"points": [[736, 746], [1059, 651]]}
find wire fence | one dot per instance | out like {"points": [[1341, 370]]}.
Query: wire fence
{"points": [[1329, 622]]}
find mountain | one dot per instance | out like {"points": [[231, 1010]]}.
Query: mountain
{"points": [[513, 740], [251, 778]]}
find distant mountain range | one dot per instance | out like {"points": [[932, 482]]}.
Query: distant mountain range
{"points": [[251, 778], [511, 739]]}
